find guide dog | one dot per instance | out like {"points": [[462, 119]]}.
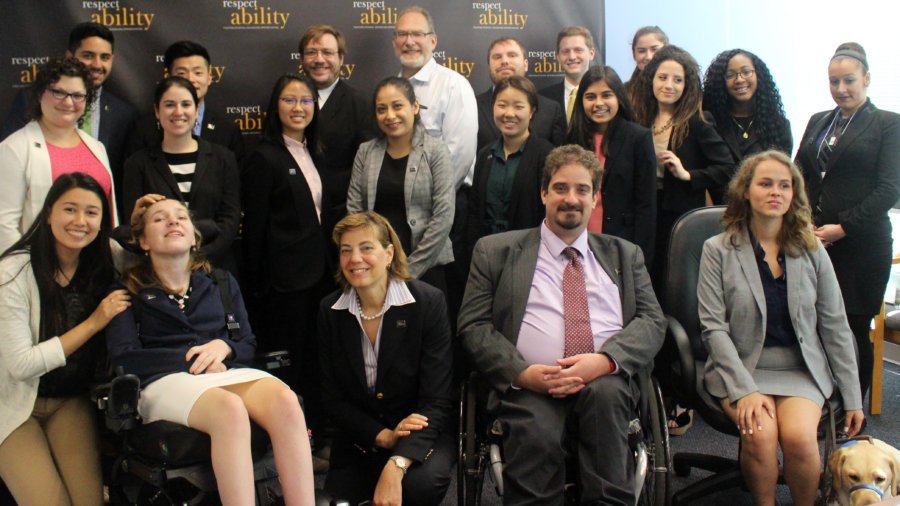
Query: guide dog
{"points": [[864, 471]]}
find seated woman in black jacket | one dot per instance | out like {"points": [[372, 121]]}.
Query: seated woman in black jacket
{"points": [[193, 368], [384, 348]]}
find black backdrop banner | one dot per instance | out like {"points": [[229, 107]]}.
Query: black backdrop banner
{"points": [[252, 42]]}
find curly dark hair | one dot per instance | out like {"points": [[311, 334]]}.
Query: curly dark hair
{"points": [[768, 111], [50, 74], [646, 107], [582, 128]]}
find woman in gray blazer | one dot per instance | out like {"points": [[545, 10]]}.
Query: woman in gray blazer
{"points": [[406, 176], [773, 322]]}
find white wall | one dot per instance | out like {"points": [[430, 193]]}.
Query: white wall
{"points": [[794, 38]]}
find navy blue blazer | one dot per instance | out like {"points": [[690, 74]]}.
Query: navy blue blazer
{"points": [[166, 333], [415, 374]]}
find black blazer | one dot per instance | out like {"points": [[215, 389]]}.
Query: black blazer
{"points": [[705, 155], [215, 194], [415, 370], [549, 121], [343, 124], [555, 93], [861, 183], [754, 144], [629, 187], [526, 209], [117, 118], [283, 242], [216, 129]]}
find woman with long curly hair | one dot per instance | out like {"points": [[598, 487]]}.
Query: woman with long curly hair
{"points": [[692, 162], [692, 159], [772, 319], [741, 94]]}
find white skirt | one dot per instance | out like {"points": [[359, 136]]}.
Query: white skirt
{"points": [[172, 397]]}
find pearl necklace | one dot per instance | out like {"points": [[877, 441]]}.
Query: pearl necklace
{"points": [[373, 317]]}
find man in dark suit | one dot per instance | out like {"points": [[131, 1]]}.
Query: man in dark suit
{"points": [[574, 52], [191, 61], [345, 114], [506, 57], [111, 118], [559, 347]]}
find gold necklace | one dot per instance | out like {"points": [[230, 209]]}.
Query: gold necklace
{"points": [[745, 132], [657, 131]]}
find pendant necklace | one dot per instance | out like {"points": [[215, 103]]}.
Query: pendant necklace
{"points": [[744, 131]]}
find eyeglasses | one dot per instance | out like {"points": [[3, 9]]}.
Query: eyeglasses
{"points": [[292, 101], [412, 35], [745, 73], [326, 53], [77, 97]]}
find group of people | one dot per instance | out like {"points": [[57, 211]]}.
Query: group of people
{"points": [[533, 224]]}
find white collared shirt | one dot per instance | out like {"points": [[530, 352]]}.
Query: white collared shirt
{"points": [[449, 113], [398, 294]]}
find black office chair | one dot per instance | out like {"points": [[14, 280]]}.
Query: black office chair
{"points": [[682, 272], [480, 452]]}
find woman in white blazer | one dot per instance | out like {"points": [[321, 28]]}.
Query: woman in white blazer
{"points": [[406, 176], [773, 322], [53, 309], [51, 144]]}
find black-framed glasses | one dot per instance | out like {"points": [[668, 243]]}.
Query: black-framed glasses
{"points": [[77, 97], [293, 101], [745, 73], [412, 35]]}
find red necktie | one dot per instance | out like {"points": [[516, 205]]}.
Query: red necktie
{"points": [[579, 338]]}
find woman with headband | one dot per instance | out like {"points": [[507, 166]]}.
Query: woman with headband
{"points": [[850, 157]]}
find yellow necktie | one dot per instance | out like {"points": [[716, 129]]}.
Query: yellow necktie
{"points": [[86, 122], [570, 105]]}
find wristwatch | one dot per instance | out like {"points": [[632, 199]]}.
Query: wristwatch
{"points": [[401, 462]]}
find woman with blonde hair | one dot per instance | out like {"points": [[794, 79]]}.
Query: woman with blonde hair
{"points": [[772, 320]]}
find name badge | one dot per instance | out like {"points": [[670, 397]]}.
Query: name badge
{"points": [[292, 171]]}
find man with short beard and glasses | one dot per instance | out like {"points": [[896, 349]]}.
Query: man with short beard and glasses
{"points": [[557, 321]]}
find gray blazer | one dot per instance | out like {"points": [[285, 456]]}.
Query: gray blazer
{"points": [[732, 308], [497, 291], [428, 189]]}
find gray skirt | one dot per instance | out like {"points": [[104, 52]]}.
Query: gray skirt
{"points": [[781, 371]]}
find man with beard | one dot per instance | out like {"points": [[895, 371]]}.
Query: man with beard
{"points": [[506, 57], [557, 322], [574, 52], [449, 112], [345, 114], [110, 118]]}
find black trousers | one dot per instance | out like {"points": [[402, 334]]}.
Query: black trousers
{"points": [[860, 324], [534, 428], [425, 484]]}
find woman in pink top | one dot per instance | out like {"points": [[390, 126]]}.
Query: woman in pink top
{"points": [[50, 145]]}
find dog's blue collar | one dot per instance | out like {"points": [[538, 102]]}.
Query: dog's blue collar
{"points": [[848, 443], [873, 488]]}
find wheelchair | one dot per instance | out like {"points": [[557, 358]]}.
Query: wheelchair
{"points": [[480, 451], [164, 463]]}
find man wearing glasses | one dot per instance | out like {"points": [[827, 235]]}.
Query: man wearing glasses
{"points": [[345, 115], [574, 52], [110, 118], [448, 111]]}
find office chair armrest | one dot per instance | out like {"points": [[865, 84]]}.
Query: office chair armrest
{"points": [[675, 331], [118, 400], [273, 360]]}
